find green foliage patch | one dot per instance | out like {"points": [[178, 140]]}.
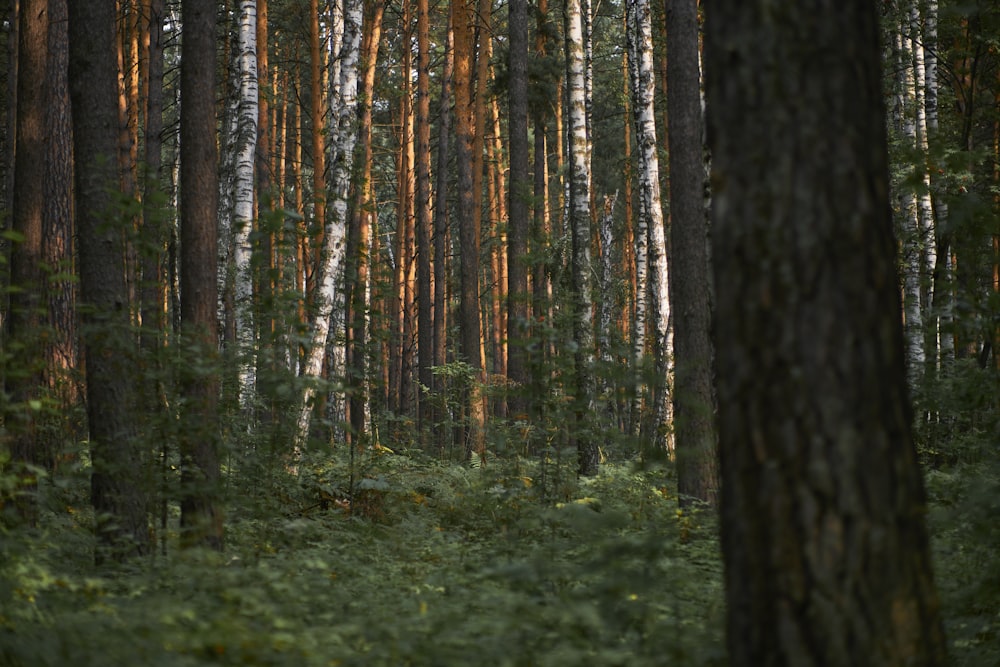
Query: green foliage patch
{"points": [[422, 563]]}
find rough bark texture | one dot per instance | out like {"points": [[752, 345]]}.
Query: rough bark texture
{"points": [[694, 427], [468, 230], [518, 225], [201, 512], [25, 321], [826, 552], [118, 499], [580, 224]]}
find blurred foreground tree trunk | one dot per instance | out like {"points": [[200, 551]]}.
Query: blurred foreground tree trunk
{"points": [[826, 552], [117, 494]]}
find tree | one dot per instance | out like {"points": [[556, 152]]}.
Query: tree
{"points": [[694, 428], [201, 513], [463, 23], [653, 283], [519, 223], [118, 498], [825, 548], [335, 231], [26, 276], [422, 206], [579, 224]]}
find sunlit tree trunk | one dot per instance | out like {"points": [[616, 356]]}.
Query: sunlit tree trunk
{"points": [[331, 268], [359, 241], [826, 553], [116, 491], [694, 404], [318, 149], [154, 232], [463, 23], [640, 34], [422, 206], [579, 224]]}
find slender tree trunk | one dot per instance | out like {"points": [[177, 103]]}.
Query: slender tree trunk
{"points": [[25, 319], [826, 552], [579, 223], [440, 239], [643, 89], [694, 402], [422, 205], [463, 22], [116, 491], [518, 224], [332, 266], [318, 148], [359, 241], [243, 201]]}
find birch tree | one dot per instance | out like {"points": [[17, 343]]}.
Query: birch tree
{"points": [[579, 224], [243, 199], [331, 266], [655, 283]]}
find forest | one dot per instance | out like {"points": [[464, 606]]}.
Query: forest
{"points": [[483, 332]]}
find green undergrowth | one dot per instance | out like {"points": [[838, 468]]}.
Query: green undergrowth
{"points": [[407, 562]]}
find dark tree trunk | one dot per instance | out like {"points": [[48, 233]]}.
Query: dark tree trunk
{"points": [[201, 514], [118, 497], [25, 321], [694, 427], [519, 223], [825, 547]]}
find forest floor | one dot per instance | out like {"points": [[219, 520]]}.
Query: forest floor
{"points": [[433, 563]]}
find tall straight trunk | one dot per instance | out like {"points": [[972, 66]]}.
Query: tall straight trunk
{"points": [[154, 232], [463, 23], [579, 224], [201, 511], [318, 148], [116, 491], [422, 206], [25, 320], [243, 200], [913, 308], [520, 191], [826, 552], [694, 402], [640, 35], [60, 349], [540, 222], [358, 239], [441, 238], [332, 265]]}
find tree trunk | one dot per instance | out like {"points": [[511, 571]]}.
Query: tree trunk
{"points": [[25, 319], [332, 265], [826, 552], [518, 223], [694, 401], [201, 511], [463, 23], [243, 202], [651, 211], [580, 223], [118, 498]]}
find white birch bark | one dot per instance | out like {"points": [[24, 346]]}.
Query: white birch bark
{"points": [[579, 222], [334, 246], [927, 241], [243, 200], [640, 43]]}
